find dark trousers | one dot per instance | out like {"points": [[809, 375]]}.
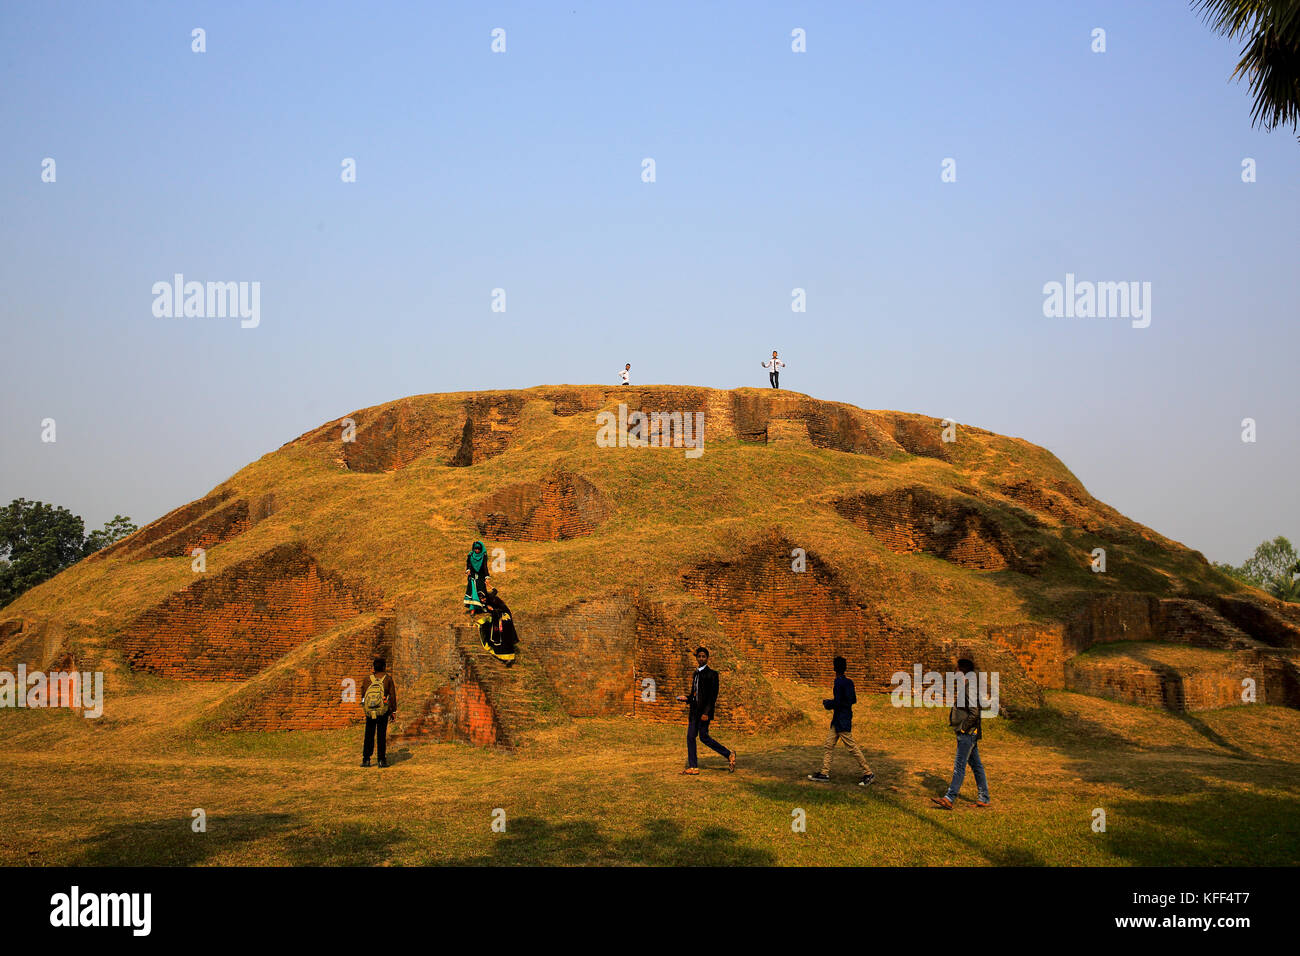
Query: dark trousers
{"points": [[376, 727], [700, 728], [774, 378]]}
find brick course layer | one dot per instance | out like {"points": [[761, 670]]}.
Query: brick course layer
{"points": [[916, 519], [230, 626], [792, 623], [561, 506]]}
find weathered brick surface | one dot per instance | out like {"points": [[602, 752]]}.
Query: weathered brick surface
{"points": [[490, 422], [308, 691], [562, 505], [921, 436], [166, 526], [230, 626], [1213, 681], [791, 624], [829, 425], [1265, 624], [586, 653], [393, 437], [916, 519]]}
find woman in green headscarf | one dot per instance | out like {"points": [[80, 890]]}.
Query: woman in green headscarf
{"points": [[476, 572]]}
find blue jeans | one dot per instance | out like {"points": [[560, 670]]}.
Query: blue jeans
{"points": [[701, 728], [968, 750]]}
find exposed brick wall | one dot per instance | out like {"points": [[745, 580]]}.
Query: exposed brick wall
{"points": [[829, 425], [587, 654], [490, 422], [1260, 622], [394, 437], [573, 401], [1186, 687], [307, 693], [1043, 500], [916, 519], [663, 655], [791, 624], [921, 436], [1038, 648], [164, 527], [219, 525], [561, 506], [230, 626]]}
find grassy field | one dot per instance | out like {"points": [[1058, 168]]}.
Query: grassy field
{"points": [[1212, 788]]}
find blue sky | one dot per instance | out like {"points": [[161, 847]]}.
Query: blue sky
{"points": [[522, 171]]}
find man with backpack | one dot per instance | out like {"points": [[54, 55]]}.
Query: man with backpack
{"points": [[379, 701], [964, 718], [844, 696]]}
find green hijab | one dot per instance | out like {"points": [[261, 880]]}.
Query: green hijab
{"points": [[477, 555]]}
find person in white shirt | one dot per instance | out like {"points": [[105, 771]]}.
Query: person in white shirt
{"points": [[775, 366], [627, 371]]}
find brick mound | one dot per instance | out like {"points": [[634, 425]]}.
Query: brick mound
{"points": [[960, 530], [233, 624], [876, 493], [560, 506]]}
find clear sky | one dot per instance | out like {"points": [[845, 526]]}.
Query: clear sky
{"points": [[522, 170]]}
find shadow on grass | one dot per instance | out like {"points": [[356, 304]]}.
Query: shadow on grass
{"points": [[171, 842], [1099, 754], [893, 793], [1217, 828], [530, 841]]}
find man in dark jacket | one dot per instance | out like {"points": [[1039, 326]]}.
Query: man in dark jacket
{"points": [[841, 707], [964, 718], [703, 697]]}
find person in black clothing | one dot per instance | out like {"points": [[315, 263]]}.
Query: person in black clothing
{"points": [[377, 717], [844, 696], [964, 718], [702, 699]]}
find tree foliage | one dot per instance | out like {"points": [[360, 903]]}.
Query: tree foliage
{"points": [[37, 541]]}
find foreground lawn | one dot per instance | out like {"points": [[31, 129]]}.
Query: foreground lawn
{"points": [[1206, 789]]}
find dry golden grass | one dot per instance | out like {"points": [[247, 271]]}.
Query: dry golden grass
{"points": [[1212, 788]]}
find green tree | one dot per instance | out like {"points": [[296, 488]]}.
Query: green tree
{"points": [[112, 532], [1274, 567], [37, 541], [1270, 59]]}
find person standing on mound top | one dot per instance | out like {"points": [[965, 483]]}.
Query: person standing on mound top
{"points": [[626, 373], [476, 574], [843, 697], [964, 718], [703, 697], [775, 366], [379, 701]]}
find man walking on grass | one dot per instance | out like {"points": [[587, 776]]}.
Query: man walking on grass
{"points": [[964, 718], [703, 697], [844, 696]]}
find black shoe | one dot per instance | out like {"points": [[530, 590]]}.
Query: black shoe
{"points": [[819, 777], [867, 779], [365, 761], [383, 762]]}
